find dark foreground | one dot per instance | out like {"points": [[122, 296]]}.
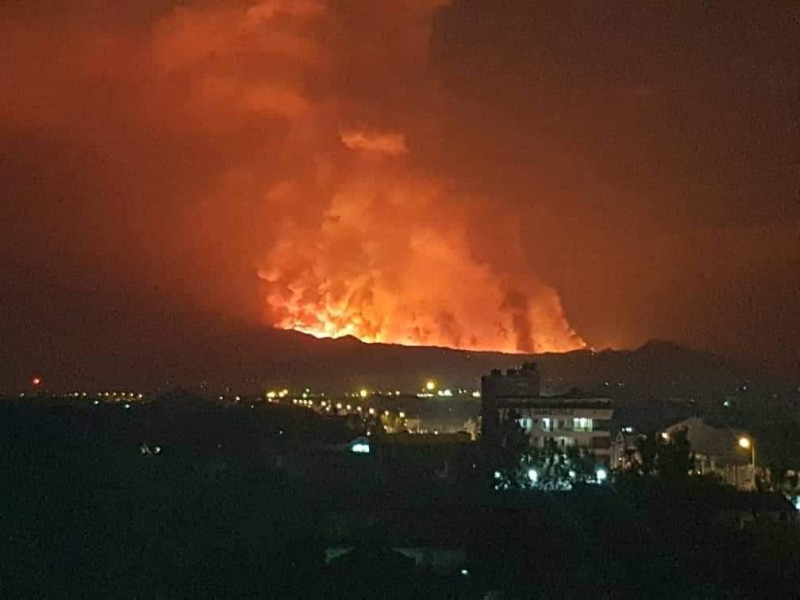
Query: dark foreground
{"points": [[263, 503]]}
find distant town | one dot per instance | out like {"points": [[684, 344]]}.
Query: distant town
{"points": [[451, 491]]}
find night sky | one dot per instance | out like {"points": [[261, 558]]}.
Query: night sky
{"points": [[515, 175]]}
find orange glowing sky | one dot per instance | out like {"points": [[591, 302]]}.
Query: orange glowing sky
{"points": [[504, 176], [391, 263]]}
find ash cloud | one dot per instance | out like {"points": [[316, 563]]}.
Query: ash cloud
{"points": [[406, 167], [274, 138]]}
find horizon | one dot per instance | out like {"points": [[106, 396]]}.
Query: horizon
{"points": [[345, 364], [181, 174]]}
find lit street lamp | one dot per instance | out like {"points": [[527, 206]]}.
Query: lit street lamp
{"points": [[533, 475], [746, 443]]}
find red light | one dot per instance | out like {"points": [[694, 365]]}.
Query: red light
{"points": [[36, 380]]}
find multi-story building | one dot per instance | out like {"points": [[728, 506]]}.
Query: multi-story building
{"points": [[568, 420]]}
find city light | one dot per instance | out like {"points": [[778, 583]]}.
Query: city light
{"points": [[748, 444], [363, 393], [602, 475], [36, 380], [360, 446], [430, 385], [533, 475]]}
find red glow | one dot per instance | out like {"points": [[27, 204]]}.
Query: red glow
{"points": [[36, 381], [392, 263]]}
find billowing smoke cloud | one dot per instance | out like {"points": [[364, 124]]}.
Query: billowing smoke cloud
{"points": [[275, 141], [393, 144]]}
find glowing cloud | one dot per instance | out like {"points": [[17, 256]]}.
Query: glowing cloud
{"points": [[279, 115], [393, 144]]}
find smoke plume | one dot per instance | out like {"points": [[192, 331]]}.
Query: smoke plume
{"points": [[262, 158]]}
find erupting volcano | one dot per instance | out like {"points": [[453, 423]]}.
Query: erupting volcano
{"points": [[390, 261], [370, 241], [180, 178], [373, 312], [306, 141]]}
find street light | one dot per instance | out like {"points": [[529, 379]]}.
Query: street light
{"points": [[746, 443]]}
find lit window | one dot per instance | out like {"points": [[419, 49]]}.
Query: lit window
{"points": [[360, 448], [360, 445], [582, 424]]}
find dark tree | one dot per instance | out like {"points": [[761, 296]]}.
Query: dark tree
{"points": [[648, 450], [675, 459]]}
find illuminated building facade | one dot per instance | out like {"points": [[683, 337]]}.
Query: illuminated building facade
{"points": [[568, 420]]}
